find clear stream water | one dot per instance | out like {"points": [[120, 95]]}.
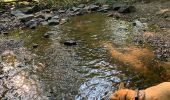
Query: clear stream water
{"points": [[86, 71]]}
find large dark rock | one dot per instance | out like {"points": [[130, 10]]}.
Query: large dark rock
{"points": [[70, 43], [127, 9]]}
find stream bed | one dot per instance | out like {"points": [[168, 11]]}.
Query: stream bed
{"points": [[87, 71]]}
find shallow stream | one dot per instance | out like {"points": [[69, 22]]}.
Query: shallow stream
{"points": [[87, 71]]}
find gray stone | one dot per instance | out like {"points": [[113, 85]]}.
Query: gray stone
{"points": [[31, 24], [75, 9], [25, 18], [127, 9], [17, 13], [56, 17], [81, 5], [53, 22], [93, 7], [61, 11], [117, 6], [104, 8], [48, 34], [44, 23]]}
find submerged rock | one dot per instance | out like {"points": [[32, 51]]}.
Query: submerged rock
{"points": [[70, 43]]}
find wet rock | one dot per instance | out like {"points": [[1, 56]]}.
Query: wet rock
{"points": [[61, 11], [31, 24], [25, 18], [21, 65], [46, 11], [127, 9], [70, 13], [93, 7], [70, 43], [27, 10], [104, 8], [64, 20], [48, 34], [56, 17], [5, 33], [40, 16], [53, 22], [80, 12], [81, 5], [110, 15], [75, 9], [2, 11], [48, 16], [117, 6], [33, 9], [44, 23], [17, 13], [137, 23], [34, 46], [86, 8]]}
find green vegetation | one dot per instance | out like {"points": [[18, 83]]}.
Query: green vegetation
{"points": [[63, 3], [66, 3]]}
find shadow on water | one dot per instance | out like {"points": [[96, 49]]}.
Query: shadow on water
{"points": [[90, 70]]}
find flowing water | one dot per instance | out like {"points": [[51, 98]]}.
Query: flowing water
{"points": [[88, 70]]}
